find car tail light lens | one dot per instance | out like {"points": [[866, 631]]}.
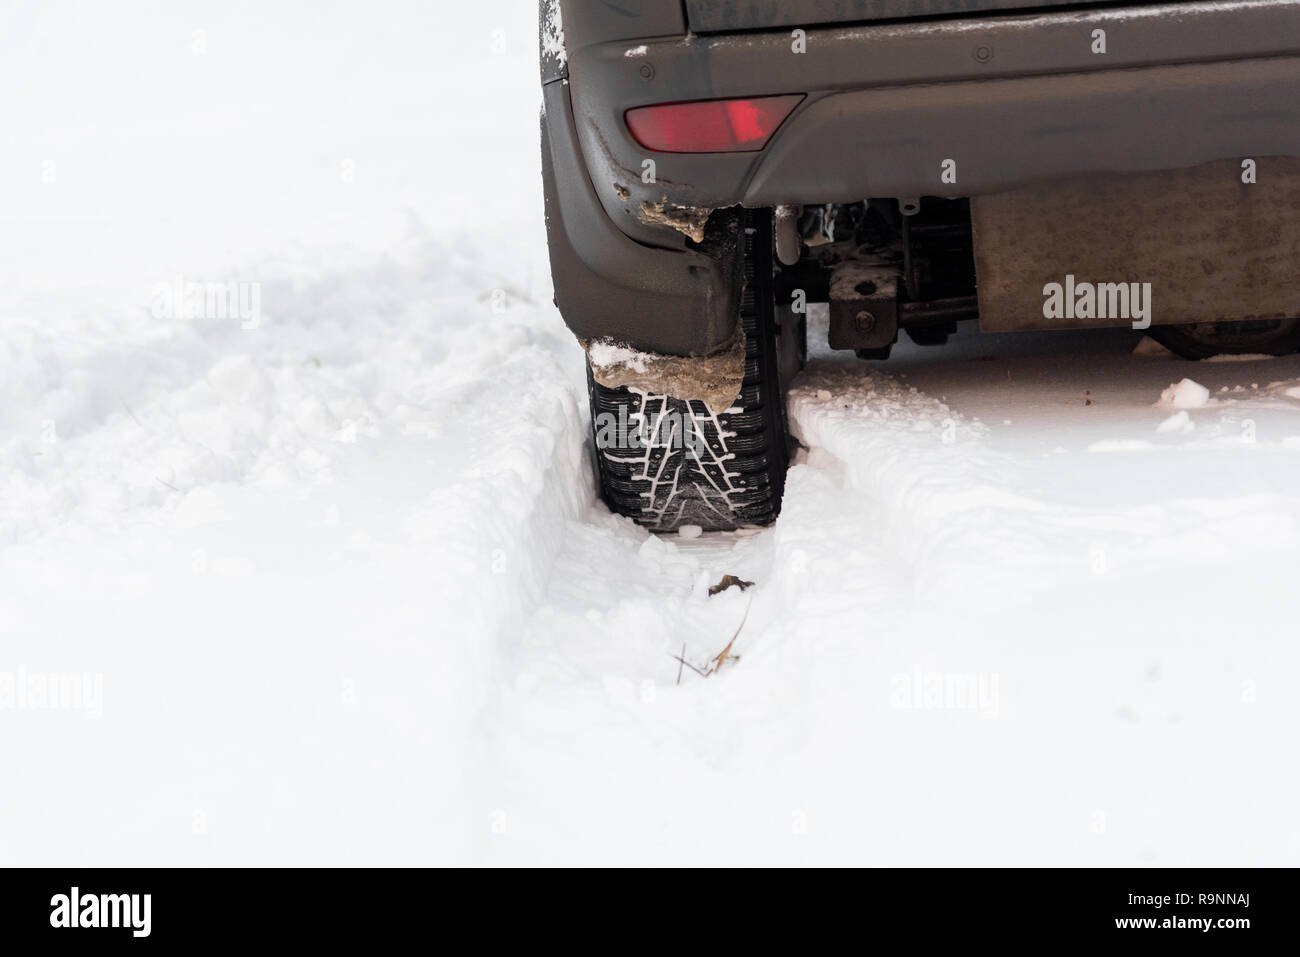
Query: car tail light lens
{"points": [[710, 126]]}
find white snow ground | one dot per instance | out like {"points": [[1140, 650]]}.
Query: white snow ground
{"points": [[343, 593]]}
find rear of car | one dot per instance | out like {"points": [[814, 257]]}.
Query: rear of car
{"points": [[712, 166]]}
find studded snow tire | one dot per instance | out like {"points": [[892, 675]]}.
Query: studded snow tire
{"points": [[686, 465]]}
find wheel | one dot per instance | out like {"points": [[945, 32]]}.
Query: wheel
{"points": [[1270, 337], [687, 465]]}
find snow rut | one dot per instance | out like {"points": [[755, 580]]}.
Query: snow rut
{"points": [[929, 490], [969, 523], [311, 550]]}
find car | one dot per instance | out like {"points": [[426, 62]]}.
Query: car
{"points": [[712, 167]]}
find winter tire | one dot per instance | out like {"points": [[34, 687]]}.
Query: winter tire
{"points": [[716, 471]]}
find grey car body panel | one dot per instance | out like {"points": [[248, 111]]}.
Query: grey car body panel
{"points": [[888, 103], [676, 302], [714, 16], [1013, 99], [597, 21], [1055, 127]]}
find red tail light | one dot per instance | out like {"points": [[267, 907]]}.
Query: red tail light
{"points": [[710, 126]]}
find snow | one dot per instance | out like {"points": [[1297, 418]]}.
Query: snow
{"points": [[1185, 394], [553, 33], [607, 353], [1239, 357], [336, 588], [1178, 422]]}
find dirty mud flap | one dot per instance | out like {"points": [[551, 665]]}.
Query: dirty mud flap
{"points": [[1212, 247]]}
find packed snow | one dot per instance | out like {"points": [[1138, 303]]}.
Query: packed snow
{"points": [[1185, 394], [605, 352], [331, 584]]}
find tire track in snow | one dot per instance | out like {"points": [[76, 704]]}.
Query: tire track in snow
{"points": [[311, 546], [968, 521], [906, 546]]}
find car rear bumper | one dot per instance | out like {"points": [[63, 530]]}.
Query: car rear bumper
{"points": [[710, 16], [1010, 100]]}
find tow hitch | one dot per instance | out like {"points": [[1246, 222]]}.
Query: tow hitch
{"points": [[902, 268]]}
